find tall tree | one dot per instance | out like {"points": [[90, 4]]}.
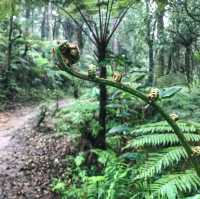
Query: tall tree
{"points": [[28, 17], [150, 42], [161, 4], [100, 34]]}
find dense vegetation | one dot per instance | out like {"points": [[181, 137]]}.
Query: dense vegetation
{"points": [[133, 68]]}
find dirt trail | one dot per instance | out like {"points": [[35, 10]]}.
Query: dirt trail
{"points": [[11, 121], [26, 159]]}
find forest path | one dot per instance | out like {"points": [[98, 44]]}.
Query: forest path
{"points": [[11, 121], [23, 154]]}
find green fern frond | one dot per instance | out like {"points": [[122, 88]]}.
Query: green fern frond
{"points": [[163, 127], [197, 196], [93, 186], [170, 186], [80, 106], [157, 162], [169, 139]]}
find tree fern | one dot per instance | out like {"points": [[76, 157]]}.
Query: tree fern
{"points": [[168, 139], [170, 186], [197, 196], [157, 162], [93, 187], [163, 127]]}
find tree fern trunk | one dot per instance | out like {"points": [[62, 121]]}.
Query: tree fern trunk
{"points": [[101, 138]]}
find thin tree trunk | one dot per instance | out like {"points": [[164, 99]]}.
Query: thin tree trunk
{"points": [[80, 37], [56, 28], [170, 63], [68, 29], [187, 63], [161, 57], [149, 38], [49, 19], [177, 59], [46, 23], [27, 16], [43, 24], [9, 54], [101, 138]]}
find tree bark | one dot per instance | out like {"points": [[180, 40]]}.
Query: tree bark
{"points": [[188, 63], [80, 39], [9, 54], [100, 141], [10, 43], [68, 29], [46, 30], [43, 24], [56, 28], [27, 16], [160, 31], [149, 38]]}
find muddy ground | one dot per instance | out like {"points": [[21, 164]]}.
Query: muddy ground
{"points": [[29, 158]]}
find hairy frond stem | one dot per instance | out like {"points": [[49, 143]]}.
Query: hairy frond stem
{"points": [[138, 94]]}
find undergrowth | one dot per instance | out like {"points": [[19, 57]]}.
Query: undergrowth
{"points": [[143, 159]]}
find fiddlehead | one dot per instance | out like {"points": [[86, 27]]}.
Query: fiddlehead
{"points": [[146, 98]]}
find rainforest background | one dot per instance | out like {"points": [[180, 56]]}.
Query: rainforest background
{"points": [[107, 143]]}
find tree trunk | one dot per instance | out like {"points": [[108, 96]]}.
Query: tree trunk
{"points": [[46, 30], [169, 65], [149, 38], [68, 29], [32, 21], [49, 20], [160, 33], [187, 63], [177, 59], [80, 39], [100, 141], [56, 28], [27, 16], [9, 55], [43, 24], [151, 64]]}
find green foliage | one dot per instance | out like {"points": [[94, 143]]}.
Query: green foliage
{"points": [[8, 7], [167, 80], [168, 139], [163, 127], [158, 162], [30, 69], [185, 103], [75, 119], [171, 185], [59, 186], [111, 183], [163, 175], [144, 158], [169, 92]]}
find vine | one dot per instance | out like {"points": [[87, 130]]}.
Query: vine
{"points": [[63, 65]]}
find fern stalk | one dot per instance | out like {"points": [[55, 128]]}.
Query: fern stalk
{"points": [[138, 94]]}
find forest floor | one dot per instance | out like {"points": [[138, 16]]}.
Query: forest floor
{"points": [[30, 157]]}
